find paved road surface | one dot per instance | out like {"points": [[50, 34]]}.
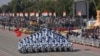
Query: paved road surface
{"points": [[8, 47]]}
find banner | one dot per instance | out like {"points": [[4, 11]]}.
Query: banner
{"points": [[21, 14], [18, 14], [64, 13], [13, 14], [45, 13], [37, 14], [26, 14], [79, 13], [3, 14], [54, 14], [50, 13], [32, 14], [10, 14]]}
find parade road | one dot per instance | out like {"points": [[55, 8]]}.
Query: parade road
{"points": [[9, 41]]}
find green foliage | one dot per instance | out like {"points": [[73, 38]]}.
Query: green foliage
{"points": [[39, 5], [98, 6], [0, 10], [57, 6], [5, 8]]}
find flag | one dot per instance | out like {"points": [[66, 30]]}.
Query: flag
{"points": [[45, 13]]}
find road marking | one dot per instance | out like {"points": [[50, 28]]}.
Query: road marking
{"points": [[6, 53], [93, 53]]}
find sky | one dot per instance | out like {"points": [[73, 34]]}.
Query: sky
{"points": [[2, 2]]}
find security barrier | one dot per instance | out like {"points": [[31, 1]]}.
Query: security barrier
{"points": [[85, 41], [7, 27], [1, 26]]}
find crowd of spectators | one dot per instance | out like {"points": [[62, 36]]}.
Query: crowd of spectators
{"points": [[92, 33], [54, 23]]}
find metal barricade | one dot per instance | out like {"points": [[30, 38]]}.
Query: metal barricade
{"points": [[0, 26], [96, 42], [73, 38], [12, 28], [90, 41], [85, 41], [6, 27], [79, 39]]}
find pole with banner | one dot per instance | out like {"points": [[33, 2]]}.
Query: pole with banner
{"points": [[32, 14], [37, 15], [54, 14], [26, 14], [50, 14], [21, 14], [64, 14], [18, 14], [80, 14], [13, 14]]}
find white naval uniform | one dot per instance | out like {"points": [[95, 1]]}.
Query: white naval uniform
{"points": [[20, 45]]}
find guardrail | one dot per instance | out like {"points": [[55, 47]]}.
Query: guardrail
{"points": [[85, 41]]}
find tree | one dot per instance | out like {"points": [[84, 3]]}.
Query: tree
{"points": [[0, 10], [19, 5], [98, 6], [5, 8], [93, 6]]}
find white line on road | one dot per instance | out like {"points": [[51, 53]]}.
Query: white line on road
{"points": [[6, 53], [93, 53]]}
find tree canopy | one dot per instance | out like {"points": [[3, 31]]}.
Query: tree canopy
{"points": [[57, 6]]}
